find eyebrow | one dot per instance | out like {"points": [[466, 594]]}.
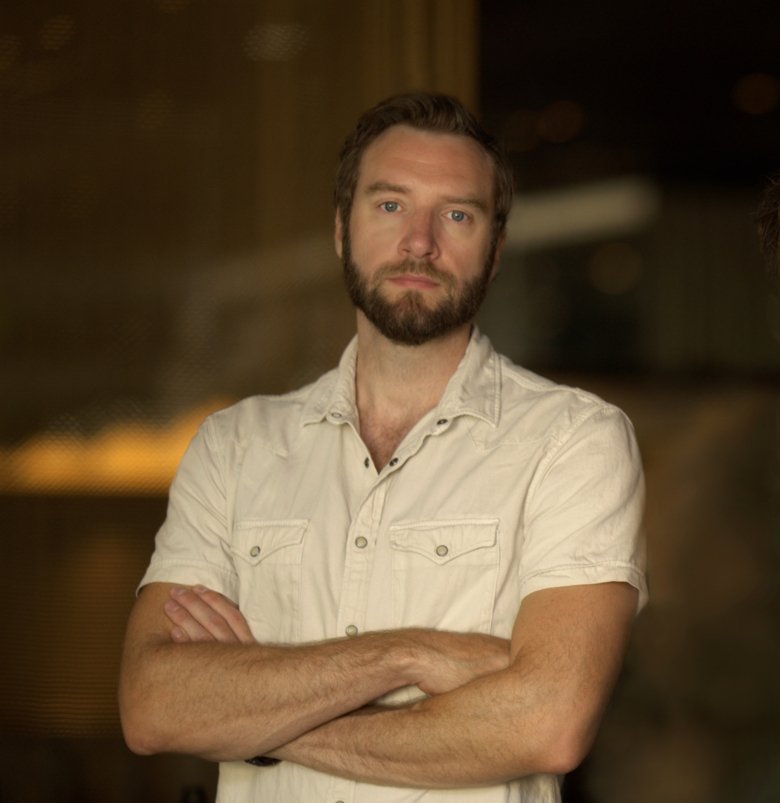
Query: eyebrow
{"points": [[386, 186]]}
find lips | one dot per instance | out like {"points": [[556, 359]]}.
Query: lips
{"points": [[413, 281], [414, 276]]}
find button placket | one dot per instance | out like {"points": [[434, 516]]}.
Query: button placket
{"points": [[358, 562]]}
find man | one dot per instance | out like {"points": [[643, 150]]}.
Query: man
{"points": [[433, 554]]}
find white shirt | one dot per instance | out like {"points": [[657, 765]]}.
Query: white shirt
{"points": [[510, 485]]}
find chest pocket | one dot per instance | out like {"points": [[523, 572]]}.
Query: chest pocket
{"points": [[445, 573], [267, 556]]}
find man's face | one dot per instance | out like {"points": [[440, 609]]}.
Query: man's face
{"points": [[418, 253]]}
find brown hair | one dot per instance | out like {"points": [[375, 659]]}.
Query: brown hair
{"points": [[768, 223], [428, 112]]}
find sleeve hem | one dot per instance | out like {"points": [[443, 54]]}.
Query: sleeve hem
{"points": [[562, 576], [190, 572]]}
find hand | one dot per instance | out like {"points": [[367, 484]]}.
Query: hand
{"points": [[452, 659], [200, 614]]}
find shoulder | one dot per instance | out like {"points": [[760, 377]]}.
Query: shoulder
{"points": [[271, 420], [553, 411]]}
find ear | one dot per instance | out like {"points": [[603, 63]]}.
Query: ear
{"points": [[338, 234]]}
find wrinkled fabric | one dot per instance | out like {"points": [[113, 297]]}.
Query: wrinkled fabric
{"points": [[512, 484]]}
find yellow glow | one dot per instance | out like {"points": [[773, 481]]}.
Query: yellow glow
{"points": [[129, 458]]}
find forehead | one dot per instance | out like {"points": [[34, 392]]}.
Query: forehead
{"points": [[403, 154]]}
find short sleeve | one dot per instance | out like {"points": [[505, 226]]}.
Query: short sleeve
{"points": [[584, 508], [191, 546]]}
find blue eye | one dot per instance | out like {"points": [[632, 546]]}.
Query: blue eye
{"points": [[390, 206], [458, 216]]}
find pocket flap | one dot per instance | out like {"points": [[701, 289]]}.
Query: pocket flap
{"points": [[256, 541], [444, 541]]}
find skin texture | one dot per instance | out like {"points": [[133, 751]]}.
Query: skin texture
{"points": [[194, 681], [225, 697], [537, 713]]}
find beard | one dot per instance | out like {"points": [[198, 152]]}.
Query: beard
{"points": [[409, 321]]}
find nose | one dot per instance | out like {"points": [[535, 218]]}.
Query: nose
{"points": [[420, 238]]}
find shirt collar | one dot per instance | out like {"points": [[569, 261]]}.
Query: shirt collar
{"points": [[335, 396], [474, 388]]}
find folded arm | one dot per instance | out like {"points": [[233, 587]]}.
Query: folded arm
{"points": [[221, 696], [540, 714]]}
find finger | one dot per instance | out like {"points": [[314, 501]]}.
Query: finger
{"points": [[179, 634], [184, 627], [200, 621], [229, 611]]}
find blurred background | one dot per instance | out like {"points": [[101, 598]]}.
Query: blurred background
{"points": [[166, 248]]}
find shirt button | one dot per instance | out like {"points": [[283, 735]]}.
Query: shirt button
{"points": [[366, 462], [361, 542], [351, 630], [394, 461], [441, 422], [254, 551], [337, 415], [441, 550]]}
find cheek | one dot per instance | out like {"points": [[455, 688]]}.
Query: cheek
{"points": [[374, 241], [470, 254]]}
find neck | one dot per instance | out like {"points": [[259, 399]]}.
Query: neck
{"points": [[397, 385]]}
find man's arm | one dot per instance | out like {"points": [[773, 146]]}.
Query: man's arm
{"points": [[227, 701], [538, 715]]}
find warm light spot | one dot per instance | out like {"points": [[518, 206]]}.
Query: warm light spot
{"points": [[561, 121], [275, 42], [615, 268], [57, 32], [127, 458], [757, 93]]}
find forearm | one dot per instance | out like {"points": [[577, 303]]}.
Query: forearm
{"points": [[234, 700], [539, 715], [224, 699], [480, 734], [226, 702]]}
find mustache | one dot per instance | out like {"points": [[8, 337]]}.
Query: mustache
{"points": [[413, 267]]}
